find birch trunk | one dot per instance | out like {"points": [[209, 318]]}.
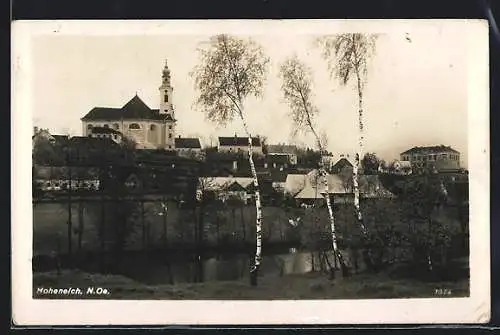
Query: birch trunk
{"points": [[336, 251], [359, 154], [258, 224]]}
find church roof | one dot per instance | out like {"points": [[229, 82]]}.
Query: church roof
{"points": [[134, 109]]}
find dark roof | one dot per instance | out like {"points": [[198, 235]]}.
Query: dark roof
{"points": [[282, 148], [235, 187], [104, 130], [429, 150], [277, 158], [279, 176], [238, 141], [134, 109], [189, 143], [341, 163]]}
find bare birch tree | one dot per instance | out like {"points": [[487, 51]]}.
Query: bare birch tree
{"points": [[347, 56], [297, 90], [231, 70]]}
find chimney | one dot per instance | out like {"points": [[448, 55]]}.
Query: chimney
{"points": [[235, 165], [35, 130], [235, 135]]}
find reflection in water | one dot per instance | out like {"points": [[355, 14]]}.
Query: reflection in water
{"points": [[231, 267]]}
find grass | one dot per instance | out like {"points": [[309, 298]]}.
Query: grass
{"points": [[290, 287]]}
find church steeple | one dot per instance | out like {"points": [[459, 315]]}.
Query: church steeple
{"points": [[166, 91], [166, 75]]}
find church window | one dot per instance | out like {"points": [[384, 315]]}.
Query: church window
{"points": [[89, 127], [134, 126], [152, 127], [170, 135], [165, 97], [169, 127]]}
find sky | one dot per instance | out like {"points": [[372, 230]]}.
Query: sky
{"points": [[416, 91]]}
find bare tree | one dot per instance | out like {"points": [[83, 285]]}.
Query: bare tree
{"points": [[231, 70], [297, 90], [347, 56]]}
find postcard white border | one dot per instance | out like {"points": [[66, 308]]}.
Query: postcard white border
{"points": [[27, 311]]}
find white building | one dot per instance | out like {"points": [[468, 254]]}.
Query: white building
{"points": [[149, 128], [239, 144]]}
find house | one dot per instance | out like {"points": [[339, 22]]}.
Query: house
{"points": [[277, 161], [232, 163], [239, 144], [188, 147], [343, 162], [106, 132], [403, 168], [278, 180], [149, 128], [225, 188], [439, 157], [290, 151], [309, 187]]}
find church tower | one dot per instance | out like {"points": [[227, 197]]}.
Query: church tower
{"points": [[166, 91], [167, 108]]}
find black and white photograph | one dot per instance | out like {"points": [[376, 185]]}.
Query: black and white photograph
{"points": [[221, 166]]}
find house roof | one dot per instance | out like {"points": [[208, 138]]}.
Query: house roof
{"points": [[134, 109], [277, 158], [104, 130], [281, 149], [187, 143], [303, 188], [279, 176], [235, 187], [238, 141], [341, 163], [222, 183], [429, 150]]}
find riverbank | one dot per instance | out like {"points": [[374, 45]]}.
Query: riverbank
{"points": [[296, 286]]}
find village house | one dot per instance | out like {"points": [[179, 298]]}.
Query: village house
{"points": [[149, 128], [289, 151], [239, 144], [342, 162], [224, 188], [403, 168], [189, 147], [441, 158], [309, 188]]}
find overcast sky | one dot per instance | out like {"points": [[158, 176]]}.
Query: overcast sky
{"points": [[416, 92]]}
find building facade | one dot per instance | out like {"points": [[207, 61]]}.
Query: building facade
{"points": [[239, 144], [149, 128], [441, 158]]}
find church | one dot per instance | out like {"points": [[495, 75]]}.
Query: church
{"points": [[149, 128]]}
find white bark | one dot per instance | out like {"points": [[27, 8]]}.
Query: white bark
{"points": [[258, 205], [336, 251], [355, 170]]}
